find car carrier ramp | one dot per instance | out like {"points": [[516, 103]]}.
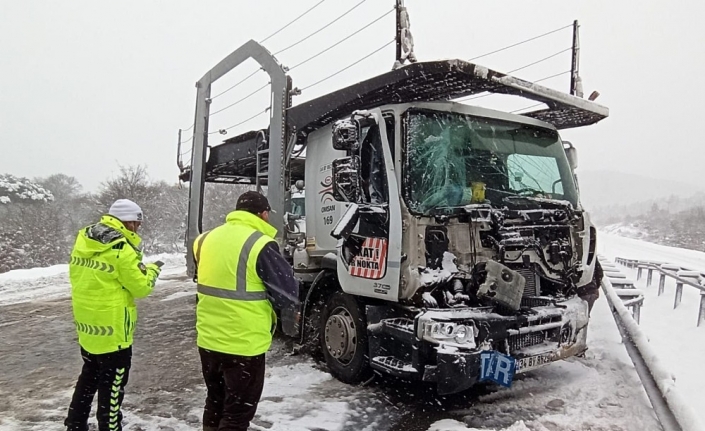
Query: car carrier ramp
{"points": [[233, 161], [443, 80]]}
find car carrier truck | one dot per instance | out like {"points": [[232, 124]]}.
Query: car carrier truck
{"points": [[426, 233]]}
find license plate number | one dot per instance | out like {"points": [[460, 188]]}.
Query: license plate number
{"points": [[533, 362]]}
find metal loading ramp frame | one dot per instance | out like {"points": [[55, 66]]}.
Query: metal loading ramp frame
{"points": [[442, 81], [232, 161]]}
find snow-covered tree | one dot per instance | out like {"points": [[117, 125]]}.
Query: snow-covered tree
{"points": [[28, 232], [18, 189], [39, 219]]}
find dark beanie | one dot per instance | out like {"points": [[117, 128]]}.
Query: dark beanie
{"points": [[252, 202]]}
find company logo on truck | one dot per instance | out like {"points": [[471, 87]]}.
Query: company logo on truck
{"points": [[326, 193]]}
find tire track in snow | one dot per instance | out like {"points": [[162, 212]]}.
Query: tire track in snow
{"points": [[39, 363]]}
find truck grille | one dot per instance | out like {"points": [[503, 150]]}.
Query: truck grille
{"points": [[531, 302], [520, 341]]}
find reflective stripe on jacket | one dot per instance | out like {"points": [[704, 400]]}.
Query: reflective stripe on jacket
{"points": [[233, 314], [107, 274]]}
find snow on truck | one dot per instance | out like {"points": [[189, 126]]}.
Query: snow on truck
{"points": [[433, 240]]}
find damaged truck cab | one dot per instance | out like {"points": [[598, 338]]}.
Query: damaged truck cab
{"points": [[469, 220], [435, 233]]}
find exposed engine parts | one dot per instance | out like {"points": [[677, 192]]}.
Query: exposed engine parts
{"points": [[529, 253], [502, 286]]}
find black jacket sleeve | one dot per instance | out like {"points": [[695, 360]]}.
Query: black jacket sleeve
{"points": [[278, 277]]}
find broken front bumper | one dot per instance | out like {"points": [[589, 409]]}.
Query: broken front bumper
{"points": [[549, 334]]}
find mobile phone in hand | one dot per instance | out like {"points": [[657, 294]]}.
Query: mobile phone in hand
{"points": [[159, 263]]}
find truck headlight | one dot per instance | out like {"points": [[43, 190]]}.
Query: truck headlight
{"points": [[447, 332]]}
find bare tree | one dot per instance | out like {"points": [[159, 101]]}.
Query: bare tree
{"points": [[164, 206]]}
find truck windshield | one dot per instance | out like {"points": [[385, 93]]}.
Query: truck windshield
{"points": [[453, 160]]}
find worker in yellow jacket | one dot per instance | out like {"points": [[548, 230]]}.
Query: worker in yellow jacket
{"points": [[241, 276], [107, 275]]}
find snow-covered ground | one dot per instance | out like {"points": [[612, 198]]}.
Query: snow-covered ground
{"points": [[24, 285], [673, 333], [39, 362]]}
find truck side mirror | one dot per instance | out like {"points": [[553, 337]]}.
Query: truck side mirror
{"points": [[347, 222], [346, 179], [572, 154], [346, 135]]}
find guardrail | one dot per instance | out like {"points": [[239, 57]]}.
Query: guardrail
{"points": [[669, 405], [632, 297], [682, 276]]}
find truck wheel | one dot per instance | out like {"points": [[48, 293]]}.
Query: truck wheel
{"points": [[344, 339]]}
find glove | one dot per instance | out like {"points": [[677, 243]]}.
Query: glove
{"points": [[153, 269]]}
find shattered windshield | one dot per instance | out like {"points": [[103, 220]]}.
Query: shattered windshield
{"points": [[454, 160]]}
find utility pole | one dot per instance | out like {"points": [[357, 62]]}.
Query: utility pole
{"points": [[178, 154], [576, 86], [400, 5], [405, 41]]}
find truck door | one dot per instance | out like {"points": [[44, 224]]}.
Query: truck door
{"points": [[369, 254]]}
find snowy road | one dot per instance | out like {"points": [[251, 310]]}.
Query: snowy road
{"points": [[39, 362], [673, 333]]}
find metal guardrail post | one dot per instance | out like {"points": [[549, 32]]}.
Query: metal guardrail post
{"points": [[661, 284], [638, 273], [682, 277], [649, 277], [679, 294], [636, 312]]}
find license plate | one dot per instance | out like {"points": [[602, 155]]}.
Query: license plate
{"points": [[533, 362], [497, 367]]}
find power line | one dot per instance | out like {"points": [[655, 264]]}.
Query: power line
{"points": [[292, 45], [351, 65], [475, 97], [521, 43], [236, 84], [552, 76], [262, 41], [293, 21], [341, 40], [540, 61], [525, 108], [241, 100], [241, 122], [320, 29]]}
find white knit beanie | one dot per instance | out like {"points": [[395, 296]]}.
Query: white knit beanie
{"points": [[126, 210]]}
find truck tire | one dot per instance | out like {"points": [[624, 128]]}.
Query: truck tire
{"points": [[344, 339]]}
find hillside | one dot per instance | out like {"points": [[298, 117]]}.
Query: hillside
{"points": [[600, 189]]}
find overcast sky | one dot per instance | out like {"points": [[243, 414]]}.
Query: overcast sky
{"points": [[88, 85]]}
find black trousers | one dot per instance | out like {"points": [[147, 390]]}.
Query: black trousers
{"points": [[106, 374], [234, 385]]}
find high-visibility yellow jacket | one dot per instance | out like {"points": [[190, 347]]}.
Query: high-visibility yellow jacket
{"points": [[107, 274], [233, 314]]}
